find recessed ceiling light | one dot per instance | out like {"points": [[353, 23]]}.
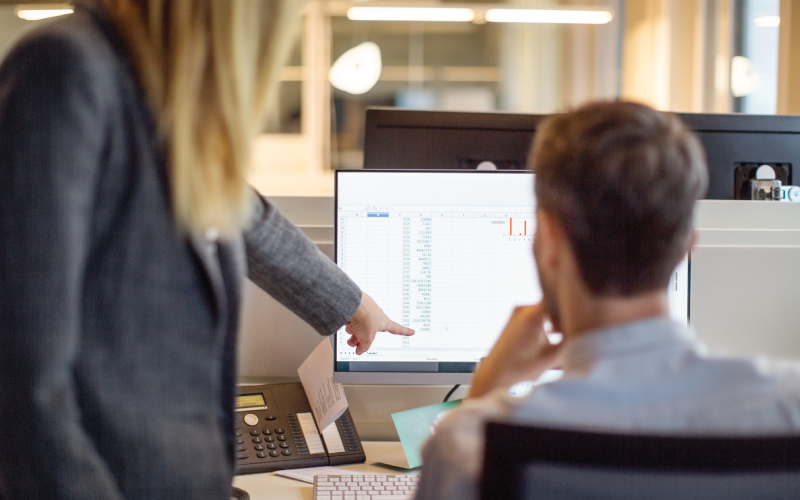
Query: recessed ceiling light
{"points": [[441, 14], [561, 16], [37, 12]]}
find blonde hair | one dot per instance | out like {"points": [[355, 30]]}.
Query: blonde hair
{"points": [[210, 70]]}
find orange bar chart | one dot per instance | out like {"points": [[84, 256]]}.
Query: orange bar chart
{"points": [[524, 227], [516, 232]]}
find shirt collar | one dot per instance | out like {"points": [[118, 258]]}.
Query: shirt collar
{"points": [[638, 337]]}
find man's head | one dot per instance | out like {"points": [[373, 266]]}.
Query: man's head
{"points": [[618, 181]]}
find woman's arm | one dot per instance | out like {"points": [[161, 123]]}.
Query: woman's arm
{"points": [[283, 262], [288, 266], [51, 143]]}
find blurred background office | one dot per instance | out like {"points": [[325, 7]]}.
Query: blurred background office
{"points": [[679, 55]]}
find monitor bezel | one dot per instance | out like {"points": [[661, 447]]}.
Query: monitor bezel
{"points": [[400, 377]]}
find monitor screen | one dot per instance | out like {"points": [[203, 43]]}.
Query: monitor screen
{"points": [[447, 253]]}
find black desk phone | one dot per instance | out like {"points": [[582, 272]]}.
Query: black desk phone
{"points": [[275, 429]]}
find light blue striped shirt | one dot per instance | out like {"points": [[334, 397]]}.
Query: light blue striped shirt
{"points": [[650, 376]]}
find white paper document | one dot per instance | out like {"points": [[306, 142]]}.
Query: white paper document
{"points": [[307, 475], [326, 398]]}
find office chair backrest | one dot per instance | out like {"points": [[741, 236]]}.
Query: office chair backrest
{"points": [[522, 462]]}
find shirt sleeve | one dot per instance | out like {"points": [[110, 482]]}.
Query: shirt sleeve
{"points": [[51, 142], [452, 459], [283, 262]]}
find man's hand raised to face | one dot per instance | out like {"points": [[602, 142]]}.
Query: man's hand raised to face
{"points": [[368, 320], [523, 352]]}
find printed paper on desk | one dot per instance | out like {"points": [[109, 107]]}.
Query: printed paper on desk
{"points": [[326, 398], [307, 475]]}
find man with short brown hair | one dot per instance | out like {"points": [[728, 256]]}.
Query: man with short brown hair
{"points": [[615, 186]]}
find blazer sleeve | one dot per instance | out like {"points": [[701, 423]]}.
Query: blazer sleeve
{"points": [[51, 142], [287, 265]]}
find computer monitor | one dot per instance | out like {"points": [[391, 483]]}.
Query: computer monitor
{"points": [[400, 138], [735, 145], [448, 253]]}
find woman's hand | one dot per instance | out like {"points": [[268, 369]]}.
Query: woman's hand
{"points": [[522, 352], [368, 320]]}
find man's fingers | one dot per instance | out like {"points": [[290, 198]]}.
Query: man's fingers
{"points": [[352, 341], [525, 321], [398, 329], [530, 314], [552, 351]]}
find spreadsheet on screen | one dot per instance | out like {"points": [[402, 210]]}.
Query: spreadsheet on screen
{"points": [[448, 254]]}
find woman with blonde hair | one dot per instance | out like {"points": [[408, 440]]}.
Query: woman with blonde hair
{"points": [[127, 227]]}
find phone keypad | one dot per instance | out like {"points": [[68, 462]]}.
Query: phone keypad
{"points": [[261, 428]]}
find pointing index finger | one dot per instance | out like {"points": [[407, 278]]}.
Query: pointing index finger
{"points": [[398, 329]]}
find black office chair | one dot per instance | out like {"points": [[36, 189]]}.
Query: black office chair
{"points": [[522, 462]]}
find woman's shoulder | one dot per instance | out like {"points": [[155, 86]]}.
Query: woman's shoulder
{"points": [[79, 51]]}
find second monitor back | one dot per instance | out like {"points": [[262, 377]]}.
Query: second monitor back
{"points": [[735, 144]]}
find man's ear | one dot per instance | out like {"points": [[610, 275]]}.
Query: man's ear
{"points": [[550, 240]]}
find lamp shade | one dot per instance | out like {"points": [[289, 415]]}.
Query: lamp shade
{"points": [[357, 70]]}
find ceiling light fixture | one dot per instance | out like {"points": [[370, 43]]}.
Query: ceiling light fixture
{"points": [[441, 14], [561, 16], [768, 21], [37, 12]]}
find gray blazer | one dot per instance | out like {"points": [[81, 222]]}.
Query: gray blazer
{"points": [[117, 334]]}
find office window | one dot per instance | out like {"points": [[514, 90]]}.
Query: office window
{"points": [[288, 115], [754, 70]]}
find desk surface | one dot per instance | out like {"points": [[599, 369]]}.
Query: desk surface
{"points": [[269, 486]]}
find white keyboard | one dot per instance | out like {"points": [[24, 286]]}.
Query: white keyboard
{"points": [[365, 487]]}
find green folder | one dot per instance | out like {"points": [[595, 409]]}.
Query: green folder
{"points": [[414, 428]]}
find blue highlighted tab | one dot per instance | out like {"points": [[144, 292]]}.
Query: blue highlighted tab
{"points": [[377, 214]]}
